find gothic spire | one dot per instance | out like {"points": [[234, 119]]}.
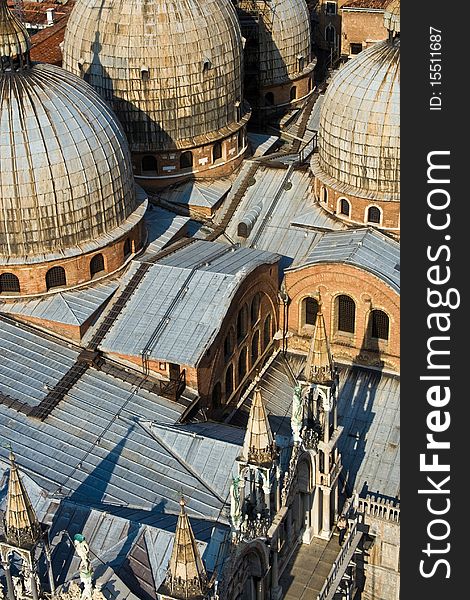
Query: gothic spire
{"points": [[258, 447], [22, 528], [186, 576], [15, 43], [319, 367]]}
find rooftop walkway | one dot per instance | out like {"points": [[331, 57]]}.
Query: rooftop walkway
{"points": [[310, 565]]}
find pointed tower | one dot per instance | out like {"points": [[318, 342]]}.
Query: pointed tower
{"points": [[186, 576], [24, 537], [254, 492], [21, 525], [258, 447], [322, 432]]}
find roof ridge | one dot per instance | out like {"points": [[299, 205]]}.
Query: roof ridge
{"points": [[183, 462]]}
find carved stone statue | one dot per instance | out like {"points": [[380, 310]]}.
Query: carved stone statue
{"points": [[83, 551], [235, 503], [297, 413]]}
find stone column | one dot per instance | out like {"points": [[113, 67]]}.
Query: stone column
{"points": [[326, 427], [8, 577], [34, 587], [276, 590], [47, 550], [326, 525]]}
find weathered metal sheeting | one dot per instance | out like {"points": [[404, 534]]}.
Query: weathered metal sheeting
{"points": [[162, 227], [69, 307], [369, 411], [31, 364], [284, 38], [197, 194], [366, 248], [171, 69], [278, 232], [65, 169], [185, 296], [359, 137], [94, 461], [210, 449]]}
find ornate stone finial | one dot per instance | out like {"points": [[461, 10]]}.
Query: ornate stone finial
{"points": [[258, 447], [22, 528], [392, 18], [186, 576], [15, 43], [320, 366]]}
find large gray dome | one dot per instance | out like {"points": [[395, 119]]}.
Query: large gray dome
{"points": [[65, 169], [359, 134], [286, 41], [170, 69]]}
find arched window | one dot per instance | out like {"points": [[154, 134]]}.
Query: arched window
{"points": [[301, 63], [206, 65], [145, 73], [186, 160], [216, 152], [269, 99], [344, 207], [242, 364], [242, 322], [293, 93], [255, 306], [9, 283], [346, 314], [228, 344], [380, 325], [373, 215], [255, 347], [55, 277], [330, 35], [324, 194], [127, 249], [96, 265], [266, 332], [149, 164], [216, 394], [309, 311]]}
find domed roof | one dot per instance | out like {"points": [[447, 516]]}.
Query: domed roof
{"points": [[65, 170], [171, 69], [284, 41], [359, 133], [14, 40]]}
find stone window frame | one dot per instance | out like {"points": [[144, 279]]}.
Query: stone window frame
{"points": [[302, 310], [57, 276], [366, 214], [324, 194], [336, 314], [93, 260], [339, 207], [9, 280], [369, 325]]}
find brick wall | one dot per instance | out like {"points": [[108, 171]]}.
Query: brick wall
{"points": [[368, 292]]}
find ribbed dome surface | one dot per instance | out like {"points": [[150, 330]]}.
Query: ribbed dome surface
{"points": [[285, 38], [171, 69], [359, 137], [65, 171], [14, 40]]}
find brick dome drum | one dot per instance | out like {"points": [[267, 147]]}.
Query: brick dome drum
{"points": [[66, 184], [359, 136], [171, 69]]}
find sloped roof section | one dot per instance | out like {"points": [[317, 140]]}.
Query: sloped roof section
{"points": [[365, 248], [177, 309]]}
